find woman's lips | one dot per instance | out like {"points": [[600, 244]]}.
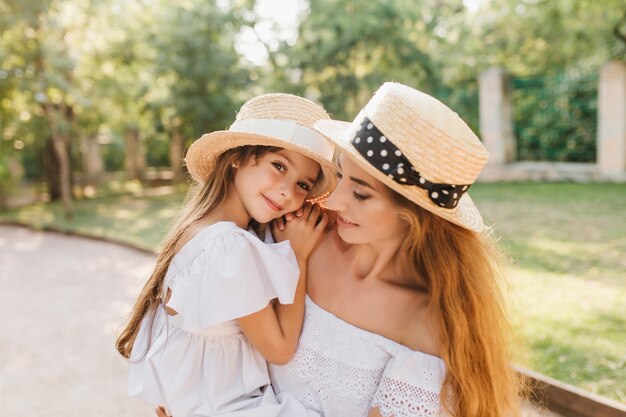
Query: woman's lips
{"points": [[272, 205], [341, 221]]}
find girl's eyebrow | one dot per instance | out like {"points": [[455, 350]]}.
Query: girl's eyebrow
{"points": [[312, 181]]}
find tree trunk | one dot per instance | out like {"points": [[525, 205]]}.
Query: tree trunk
{"points": [[51, 169], [177, 146], [65, 174], [135, 162], [60, 118]]}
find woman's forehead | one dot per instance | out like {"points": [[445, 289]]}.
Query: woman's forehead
{"points": [[354, 170]]}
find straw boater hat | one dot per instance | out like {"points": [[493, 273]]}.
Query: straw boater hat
{"points": [[417, 146], [281, 120]]}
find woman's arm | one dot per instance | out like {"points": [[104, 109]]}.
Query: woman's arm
{"points": [[274, 330]]}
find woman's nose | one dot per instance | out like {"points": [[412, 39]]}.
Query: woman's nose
{"points": [[335, 201]]}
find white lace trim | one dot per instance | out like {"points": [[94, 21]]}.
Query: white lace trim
{"points": [[341, 370], [329, 378], [399, 399]]}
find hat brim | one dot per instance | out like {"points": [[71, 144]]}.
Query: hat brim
{"points": [[203, 153], [465, 214]]}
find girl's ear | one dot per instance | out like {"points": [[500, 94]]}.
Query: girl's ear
{"points": [[235, 164]]}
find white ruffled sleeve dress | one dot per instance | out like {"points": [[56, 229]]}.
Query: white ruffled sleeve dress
{"points": [[341, 370], [198, 362]]}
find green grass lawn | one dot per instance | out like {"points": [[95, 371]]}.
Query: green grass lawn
{"points": [[567, 244]]}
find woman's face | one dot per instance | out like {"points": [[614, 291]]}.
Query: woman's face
{"points": [[366, 213]]}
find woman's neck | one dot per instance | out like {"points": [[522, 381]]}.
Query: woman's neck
{"points": [[380, 260]]}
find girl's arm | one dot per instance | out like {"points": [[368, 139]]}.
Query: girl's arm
{"points": [[274, 330], [374, 412]]}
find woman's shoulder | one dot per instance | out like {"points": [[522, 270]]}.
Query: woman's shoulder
{"points": [[407, 317], [422, 334]]}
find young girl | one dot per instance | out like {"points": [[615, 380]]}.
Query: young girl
{"points": [[206, 319]]}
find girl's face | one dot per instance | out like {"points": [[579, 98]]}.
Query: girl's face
{"points": [[365, 210], [275, 184]]}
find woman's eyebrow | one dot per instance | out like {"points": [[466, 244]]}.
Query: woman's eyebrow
{"points": [[363, 183], [358, 180]]}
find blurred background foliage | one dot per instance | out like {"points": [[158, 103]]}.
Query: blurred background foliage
{"points": [[139, 80], [102, 97]]}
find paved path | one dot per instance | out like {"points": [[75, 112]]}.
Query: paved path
{"points": [[63, 299]]}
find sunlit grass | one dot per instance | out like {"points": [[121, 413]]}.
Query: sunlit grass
{"points": [[138, 220], [567, 244]]}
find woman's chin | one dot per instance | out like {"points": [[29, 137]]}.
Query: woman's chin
{"points": [[348, 235]]}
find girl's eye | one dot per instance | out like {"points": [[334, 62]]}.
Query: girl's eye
{"points": [[279, 166], [359, 197], [304, 186]]}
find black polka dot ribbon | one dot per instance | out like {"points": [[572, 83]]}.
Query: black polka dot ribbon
{"points": [[388, 159]]}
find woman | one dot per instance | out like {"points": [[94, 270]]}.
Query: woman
{"points": [[404, 315]]}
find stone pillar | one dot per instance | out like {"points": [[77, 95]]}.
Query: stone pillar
{"points": [[496, 116], [611, 143]]}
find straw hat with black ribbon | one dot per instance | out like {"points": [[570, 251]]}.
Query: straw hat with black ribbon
{"points": [[280, 120], [418, 147]]}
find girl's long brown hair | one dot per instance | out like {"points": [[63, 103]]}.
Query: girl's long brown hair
{"points": [[202, 199], [463, 273]]}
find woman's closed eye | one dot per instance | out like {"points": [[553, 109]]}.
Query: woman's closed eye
{"points": [[360, 197]]}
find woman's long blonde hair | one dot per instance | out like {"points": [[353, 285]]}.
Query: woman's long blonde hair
{"points": [[202, 200], [463, 273]]}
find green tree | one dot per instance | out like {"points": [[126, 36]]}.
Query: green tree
{"points": [[346, 49], [198, 78], [36, 42]]}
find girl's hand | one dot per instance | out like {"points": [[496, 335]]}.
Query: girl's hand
{"points": [[281, 222], [160, 412], [302, 232]]}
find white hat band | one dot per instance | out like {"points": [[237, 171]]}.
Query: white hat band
{"points": [[288, 131]]}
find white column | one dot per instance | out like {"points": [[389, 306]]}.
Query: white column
{"points": [[611, 142], [496, 116]]}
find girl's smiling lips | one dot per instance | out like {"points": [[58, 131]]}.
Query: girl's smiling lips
{"points": [[272, 204]]}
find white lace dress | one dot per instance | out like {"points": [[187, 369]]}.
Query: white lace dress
{"points": [[340, 370], [198, 362]]}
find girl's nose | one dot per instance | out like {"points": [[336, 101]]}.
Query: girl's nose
{"points": [[286, 190]]}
